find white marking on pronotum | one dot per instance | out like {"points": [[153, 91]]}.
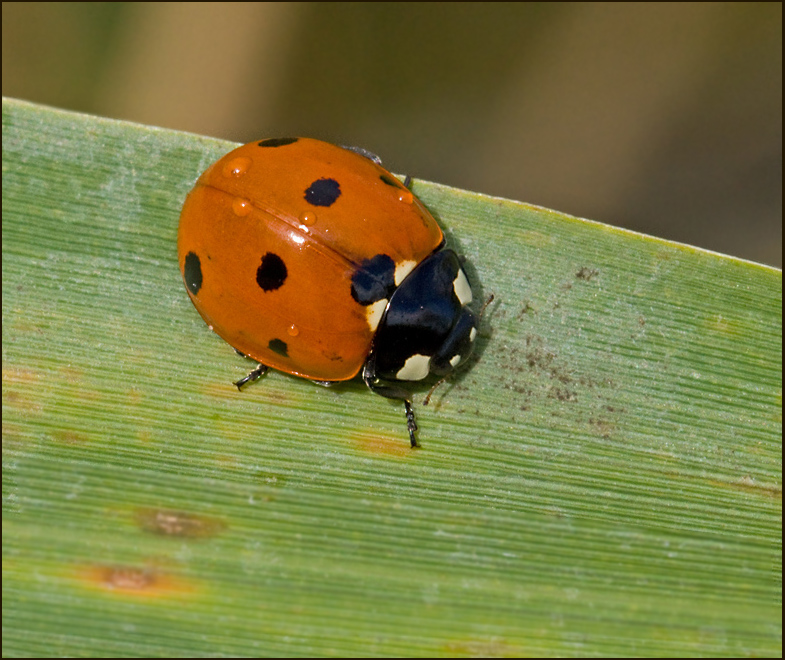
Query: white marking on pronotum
{"points": [[472, 334], [415, 368], [455, 360], [402, 270], [373, 313], [462, 288]]}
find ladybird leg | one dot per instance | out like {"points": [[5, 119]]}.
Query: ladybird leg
{"points": [[391, 392], [256, 374], [363, 152], [407, 182], [396, 393], [410, 423]]}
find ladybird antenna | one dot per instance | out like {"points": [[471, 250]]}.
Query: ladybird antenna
{"points": [[484, 305], [427, 398]]}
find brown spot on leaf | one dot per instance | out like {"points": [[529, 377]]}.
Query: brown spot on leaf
{"points": [[178, 523], [587, 274], [135, 581]]}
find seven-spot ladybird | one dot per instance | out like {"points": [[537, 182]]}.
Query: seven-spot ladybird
{"points": [[315, 260]]}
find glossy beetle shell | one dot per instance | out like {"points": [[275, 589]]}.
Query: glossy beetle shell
{"points": [[280, 245]]}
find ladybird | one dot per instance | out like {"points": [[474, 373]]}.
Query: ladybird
{"points": [[313, 259]]}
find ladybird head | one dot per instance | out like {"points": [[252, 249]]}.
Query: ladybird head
{"points": [[427, 327]]}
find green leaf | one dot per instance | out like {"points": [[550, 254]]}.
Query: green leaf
{"points": [[605, 478]]}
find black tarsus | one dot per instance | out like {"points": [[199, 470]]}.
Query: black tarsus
{"points": [[256, 374], [410, 423]]}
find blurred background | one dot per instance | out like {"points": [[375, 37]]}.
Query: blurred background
{"points": [[665, 118]]}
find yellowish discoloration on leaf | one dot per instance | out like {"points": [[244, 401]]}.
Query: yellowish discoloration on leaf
{"points": [[135, 581], [384, 445]]}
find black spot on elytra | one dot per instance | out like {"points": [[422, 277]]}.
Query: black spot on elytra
{"points": [[271, 275], [192, 273], [374, 280], [390, 180], [278, 346], [277, 142], [323, 192]]}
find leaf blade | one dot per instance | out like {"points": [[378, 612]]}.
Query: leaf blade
{"points": [[605, 479]]}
